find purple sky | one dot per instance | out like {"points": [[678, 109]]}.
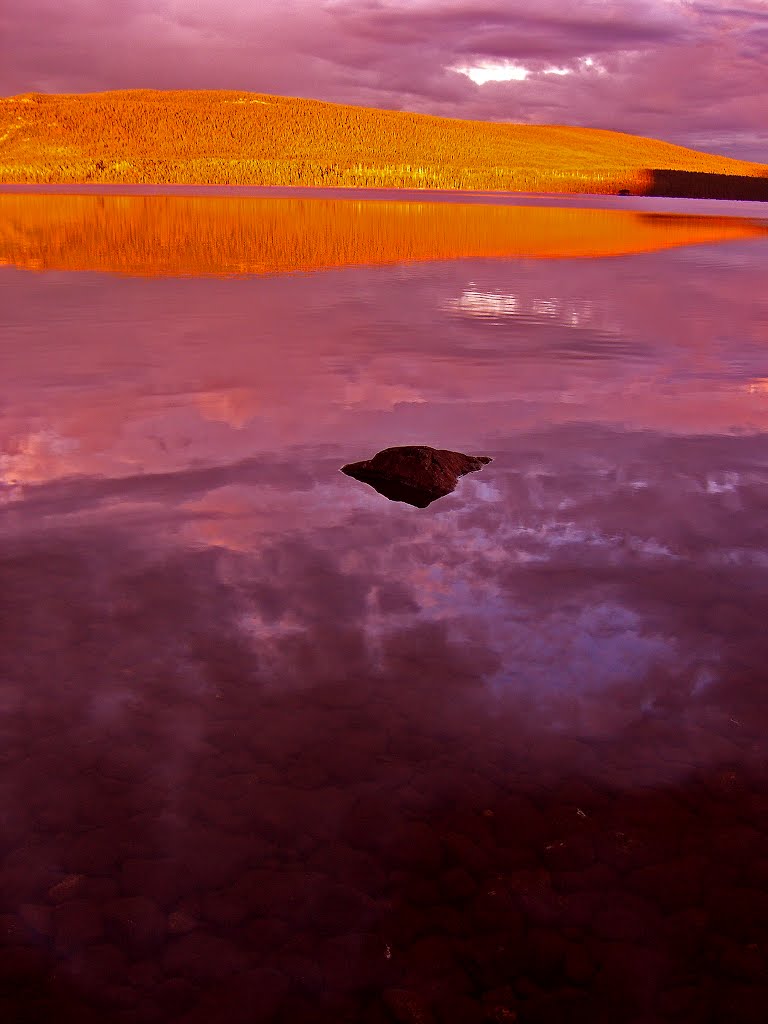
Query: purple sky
{"points": [[691, 71]]}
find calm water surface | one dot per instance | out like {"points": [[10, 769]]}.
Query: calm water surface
{"points": [[275, 749]]}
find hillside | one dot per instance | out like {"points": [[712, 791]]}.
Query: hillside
{"points": [[148, 137], [215, 236]]}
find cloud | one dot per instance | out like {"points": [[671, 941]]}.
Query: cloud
{"points": [[487, 71]]}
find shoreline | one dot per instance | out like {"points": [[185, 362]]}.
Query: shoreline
{"points": [[672, 205]]}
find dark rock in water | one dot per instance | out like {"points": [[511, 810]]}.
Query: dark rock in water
{"points": [[415, 474]]}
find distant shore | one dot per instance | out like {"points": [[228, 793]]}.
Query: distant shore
{"points": [[660, 185], [144, 137]]}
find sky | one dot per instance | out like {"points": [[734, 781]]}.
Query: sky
{"points": [[688, 71]]}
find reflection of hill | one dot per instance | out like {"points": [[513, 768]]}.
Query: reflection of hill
{"points": [[162, 235]]}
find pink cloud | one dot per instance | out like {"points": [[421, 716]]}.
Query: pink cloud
{"points": [[682, 70]]}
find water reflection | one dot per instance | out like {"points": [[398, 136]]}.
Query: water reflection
{"points": [[121, 376], [277, 750], [247, 732], [570, 313], [181, 235]]}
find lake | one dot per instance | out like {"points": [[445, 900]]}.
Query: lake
{"points": [[277, 749]]}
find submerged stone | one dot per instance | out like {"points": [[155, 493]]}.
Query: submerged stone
{"points": [[416, 474]]}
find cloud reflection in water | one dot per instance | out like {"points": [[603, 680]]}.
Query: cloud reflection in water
{"points": [[273, 706]]}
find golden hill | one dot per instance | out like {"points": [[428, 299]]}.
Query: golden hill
{"points": [[152, 137], [178, 235]]}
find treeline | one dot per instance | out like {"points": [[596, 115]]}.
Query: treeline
{"points": [[179, 235], [148, 137]]}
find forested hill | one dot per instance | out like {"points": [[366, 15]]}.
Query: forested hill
{"points": [[152, 137]]}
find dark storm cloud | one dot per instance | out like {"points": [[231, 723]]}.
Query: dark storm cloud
{"points": [[504, 31]]}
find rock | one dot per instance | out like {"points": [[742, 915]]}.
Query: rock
{"points": [[466, 853], [21, 965], [338, 909], [499, 1005], [37, 918], [687, 931], [95, 852], [626, 917], [417, 848], [264, 936], [533, 892], [213, 859], [744, 962], [738, 912], [262, 892], [252, 997], [303, 973], [546, 952], [136, 922], [571, 853], [180, 922], [579, 964], [567, 1006], [457, 885], [96, 965], [742, 1003], [354, 867], [13, 932], [144, 974], [357, 962], [202, 957], [408, 1007], [175, 995], [459, 1009], [673, 885], [629, 975], [415, 474], [67, 889], [165, 881], [77, 923]]}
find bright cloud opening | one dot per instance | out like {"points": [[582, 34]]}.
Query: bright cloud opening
{"points": [[494, 72], [590, 64], [557, 71]]}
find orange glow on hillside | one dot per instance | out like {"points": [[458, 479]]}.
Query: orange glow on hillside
{"points": [[149, 137], [162, 235]]}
